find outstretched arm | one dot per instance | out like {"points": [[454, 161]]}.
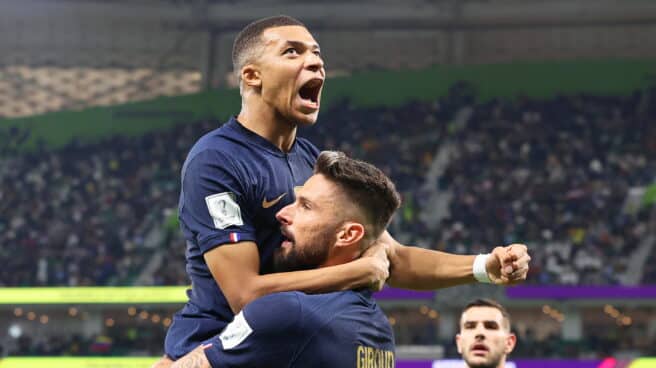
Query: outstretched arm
{"points": [[422, 269], [235, 267]]}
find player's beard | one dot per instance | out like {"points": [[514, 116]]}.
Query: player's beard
{"points": [[305, 257]]}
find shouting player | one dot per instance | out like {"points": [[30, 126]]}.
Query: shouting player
{"points": [[237, 177], [485, 338]]}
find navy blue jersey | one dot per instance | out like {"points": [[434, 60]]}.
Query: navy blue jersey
{"points": [[233, 183], [293, 329]]}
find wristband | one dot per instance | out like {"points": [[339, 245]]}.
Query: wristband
{"points": [[479, 270]]}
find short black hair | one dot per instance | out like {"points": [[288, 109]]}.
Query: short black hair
{"points": [[484, 302], [364, 185], [242, 49]]}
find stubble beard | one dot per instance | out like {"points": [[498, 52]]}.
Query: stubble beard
{"points": [[308, 257], [493, 362]]}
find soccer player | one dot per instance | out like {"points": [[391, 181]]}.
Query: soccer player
{"points": [[485, 338], [237, 177], [339, 213]]}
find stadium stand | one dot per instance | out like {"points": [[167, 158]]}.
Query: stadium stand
{"points": [[554, 173], [88, 214]]}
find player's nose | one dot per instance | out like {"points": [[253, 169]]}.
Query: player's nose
{"points": [[284, 216], [314, 62]]}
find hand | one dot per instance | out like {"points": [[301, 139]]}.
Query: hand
{"points": [[379, 265], [508, 265], [390, 244]]}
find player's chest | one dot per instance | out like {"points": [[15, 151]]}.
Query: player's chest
{"points": [[276, 184]]}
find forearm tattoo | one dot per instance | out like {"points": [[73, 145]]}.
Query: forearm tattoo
{"points": [[195, 359]]}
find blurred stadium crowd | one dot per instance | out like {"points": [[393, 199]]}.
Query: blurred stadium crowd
{"points": [[554, 173]]}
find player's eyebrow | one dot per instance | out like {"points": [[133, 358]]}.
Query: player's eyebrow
{"points": [[490, 325], [469, 324], [305, 200]]}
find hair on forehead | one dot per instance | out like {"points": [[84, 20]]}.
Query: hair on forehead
{"points": [[484, 302], [250, 36]]}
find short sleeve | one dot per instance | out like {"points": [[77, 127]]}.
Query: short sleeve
{"points": [[216, 207], [265, 334]]}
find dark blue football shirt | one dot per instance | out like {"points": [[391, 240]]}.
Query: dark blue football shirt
{"points": [[342, 329], [233, 183]]}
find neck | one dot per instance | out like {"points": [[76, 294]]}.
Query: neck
{"points": [[340, 256], [260, 118]]}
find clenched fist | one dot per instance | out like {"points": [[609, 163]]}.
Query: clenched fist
{"points": [[508, 265]]}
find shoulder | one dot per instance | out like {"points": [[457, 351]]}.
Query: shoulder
{"points": [[318, 308], [307, 147], [213, 143], [296, 311], [219, 151], [275, 312]]}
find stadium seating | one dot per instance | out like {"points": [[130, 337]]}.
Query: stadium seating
{"points": [[553, 173]]}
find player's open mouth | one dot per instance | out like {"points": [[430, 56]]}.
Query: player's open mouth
{"points": [[286, 244], [479, 349], [309, 92], [288, 240]]}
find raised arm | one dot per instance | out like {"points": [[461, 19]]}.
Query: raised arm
{"points": [[235, 267], [423, 269]]}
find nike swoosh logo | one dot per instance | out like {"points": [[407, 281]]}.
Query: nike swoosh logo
{"points": [[267, 204]]}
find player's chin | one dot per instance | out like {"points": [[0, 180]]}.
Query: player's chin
{"points": [[478, 360], [306, 119], [304, 113]]}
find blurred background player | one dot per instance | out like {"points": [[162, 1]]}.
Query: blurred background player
{"points": [[328, 224], [237, 177], [485, 339]]}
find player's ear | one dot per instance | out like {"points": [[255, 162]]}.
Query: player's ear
{"points": [[350, 233], [251, 76], [511, 340], [458, 344]]}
